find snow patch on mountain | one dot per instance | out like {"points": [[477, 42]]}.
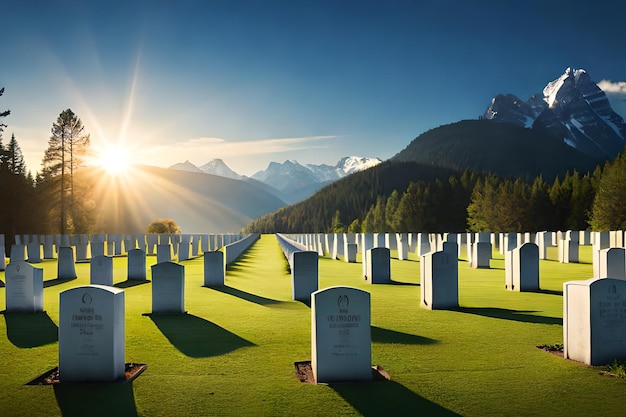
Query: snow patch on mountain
{"points": [[219, 167]]}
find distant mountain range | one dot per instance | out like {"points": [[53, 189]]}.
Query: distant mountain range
{"points": [[290, 181]]}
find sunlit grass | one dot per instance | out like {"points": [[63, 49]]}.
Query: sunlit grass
{"points": [[234, 354]]}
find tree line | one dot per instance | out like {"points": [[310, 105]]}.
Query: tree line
{"points": [[55, 199], [472, 202]]}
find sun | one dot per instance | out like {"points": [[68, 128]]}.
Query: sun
{"points": [[115, 160]]}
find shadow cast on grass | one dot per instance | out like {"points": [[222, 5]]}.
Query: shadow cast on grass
{"points": [[131, 283], [95, 399], [415, 284], [197, 337], [380, 335], [387, 398], [56, 281], [549, 292], [28, 330], [515, 315], [253, 298]]}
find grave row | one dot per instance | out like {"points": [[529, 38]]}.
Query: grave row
{"points": [[24, 283], [184, 246]]}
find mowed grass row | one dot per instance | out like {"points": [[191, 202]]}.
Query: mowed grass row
{"points": [[233, 353]]}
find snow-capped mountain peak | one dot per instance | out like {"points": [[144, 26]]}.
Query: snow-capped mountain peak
{"points": [[219, 167], [351, 164], [214, 167], [291, 176], [573, 108]]}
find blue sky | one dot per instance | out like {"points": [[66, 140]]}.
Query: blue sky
{"points": [[258, 81]]}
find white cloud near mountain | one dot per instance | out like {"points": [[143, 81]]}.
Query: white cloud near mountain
{"points": [[613, 87], [616, 93]]}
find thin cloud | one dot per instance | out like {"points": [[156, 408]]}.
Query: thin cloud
{"points": [[199, 141], [253, 147], [613, 87]]}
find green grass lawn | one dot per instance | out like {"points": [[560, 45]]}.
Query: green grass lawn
{"points": [[233, 353]]}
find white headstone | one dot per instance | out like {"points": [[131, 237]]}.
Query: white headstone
{"points": [[367, 243], [110, 246], [329, 243], [18, 253], [341, 341], [304, 275], [34, 250], [101, 271], [525, 268], [439, 283], [184, 248], [97, 245], [612, 263], [205, 243], [116, 239], [66, 267], [168, 288], [594, 320], [141, 242], [91, 334], [214, 269], [423, 244], [351, 249], [137, 265], [195, 245], [568, 251], [336, 247], [151, 241], [541, 239], [175, 239], [616, 238], [599, 241], [82, 247], [481, 255], [24, 288], [164, 252], [130, 242], [378, 266], [48, 246], [402, 245]]}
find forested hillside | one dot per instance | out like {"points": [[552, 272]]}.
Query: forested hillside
{"points": [[471, 175]]}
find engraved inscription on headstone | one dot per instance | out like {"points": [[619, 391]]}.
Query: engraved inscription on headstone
{"points": [[24, 288], [341, 342], [91, 334], [594, 320]]}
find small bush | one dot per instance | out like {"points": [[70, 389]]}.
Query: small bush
{"points": [[163, 226], [617, 368]]}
